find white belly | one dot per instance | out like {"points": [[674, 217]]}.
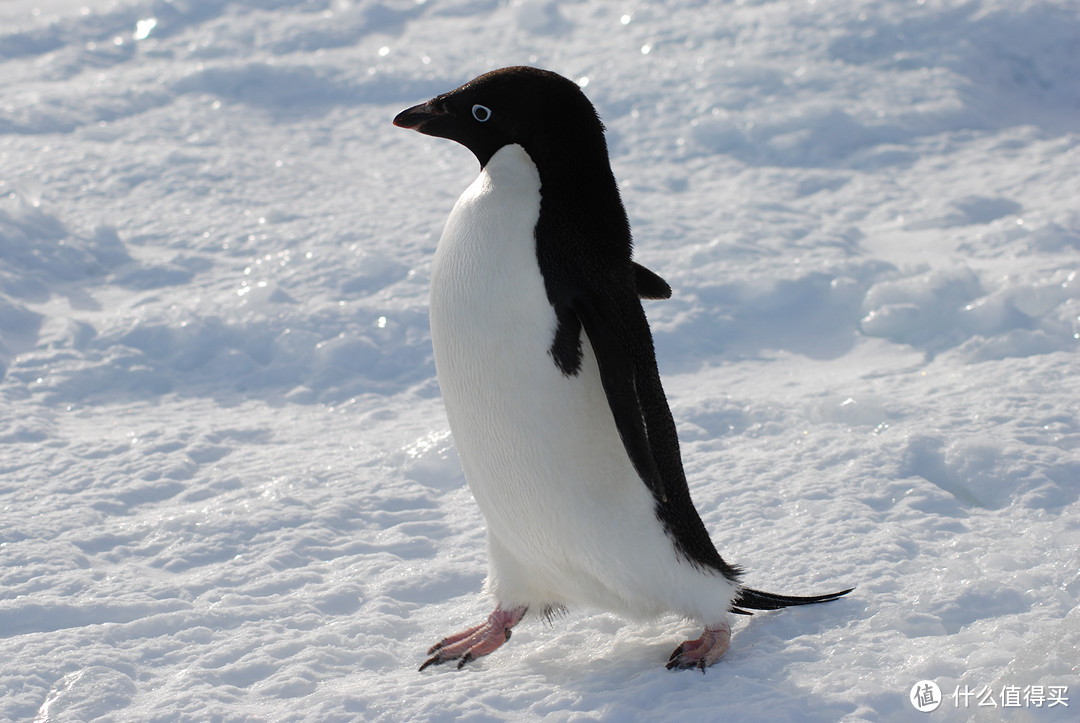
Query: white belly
{"points": [[569, 520]]}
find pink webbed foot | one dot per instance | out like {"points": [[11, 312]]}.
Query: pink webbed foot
{"points": [[704, 651], [476, 641]]}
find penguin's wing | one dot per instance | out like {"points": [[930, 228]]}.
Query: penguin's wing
{"points": [[649, 284], [618, 376]]}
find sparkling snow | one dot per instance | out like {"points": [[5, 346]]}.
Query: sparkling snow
{"points": [[227, 487]]}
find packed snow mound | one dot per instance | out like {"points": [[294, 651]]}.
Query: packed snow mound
{"points": [[227, 486]]}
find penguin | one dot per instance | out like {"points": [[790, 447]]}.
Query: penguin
{"points": [[548, 374]]}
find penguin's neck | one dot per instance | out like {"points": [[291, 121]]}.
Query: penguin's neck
{"points": [[582, 232], [510, 170], [489, 243]]}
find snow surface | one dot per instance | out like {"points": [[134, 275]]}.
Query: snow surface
{"points": [[227, 487]]}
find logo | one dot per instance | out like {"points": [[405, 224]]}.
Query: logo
{"points": [[925, 696]]}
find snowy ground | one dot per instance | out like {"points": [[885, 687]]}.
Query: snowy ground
{"points": [[227, 488]]}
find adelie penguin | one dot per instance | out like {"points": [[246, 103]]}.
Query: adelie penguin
{"points": [[546, 364]]}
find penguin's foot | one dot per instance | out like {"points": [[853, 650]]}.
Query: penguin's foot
{"points": [[476, 641], [704, 651]]}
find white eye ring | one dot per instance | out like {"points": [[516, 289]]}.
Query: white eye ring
{"points": [[481, 113]]}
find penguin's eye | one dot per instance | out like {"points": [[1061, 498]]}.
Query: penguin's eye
{"points": [[481, 113]]}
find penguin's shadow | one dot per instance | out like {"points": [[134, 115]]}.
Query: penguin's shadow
{"points": [[616, 666]]}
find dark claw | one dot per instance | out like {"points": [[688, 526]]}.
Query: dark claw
{"points": [[507, 631], [464, 659], [675, 661], [437, 646], [436, 660]]}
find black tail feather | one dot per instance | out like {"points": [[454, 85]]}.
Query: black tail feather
{"points": [[758, 600]]}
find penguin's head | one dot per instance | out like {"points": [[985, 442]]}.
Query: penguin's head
{"points": [[541, 111]]}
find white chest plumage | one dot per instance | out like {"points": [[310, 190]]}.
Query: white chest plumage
{"points": [[569, 521]]}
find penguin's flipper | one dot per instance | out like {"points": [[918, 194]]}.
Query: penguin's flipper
{"points": [[617, 376], [758, 600], [649, 284]]}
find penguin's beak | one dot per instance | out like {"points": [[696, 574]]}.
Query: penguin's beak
{"points": [[417, 116]]}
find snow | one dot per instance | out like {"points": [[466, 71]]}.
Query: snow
{"points": [[227, 487]]}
